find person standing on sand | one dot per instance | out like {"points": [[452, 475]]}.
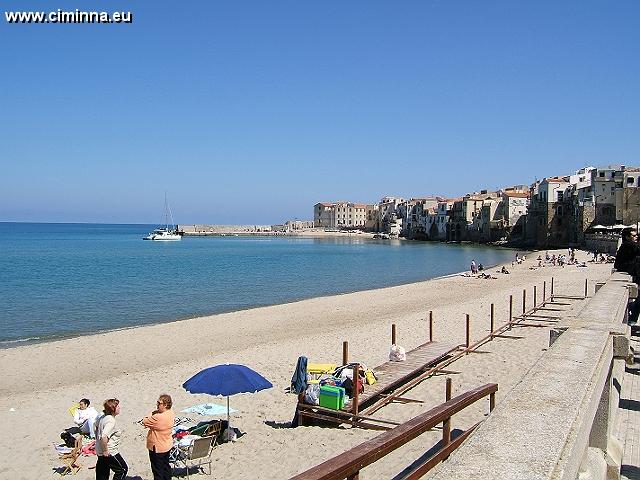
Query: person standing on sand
{"points": [[108, 442], [159, 440], [474, 268]]}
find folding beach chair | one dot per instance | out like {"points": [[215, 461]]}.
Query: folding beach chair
{"points": [[207, 429], [197, 455], [70, 459]]}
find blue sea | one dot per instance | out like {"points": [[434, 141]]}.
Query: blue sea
{"points": [[64, 280]]}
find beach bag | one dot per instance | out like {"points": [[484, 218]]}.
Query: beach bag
{"points": [[397, 354], [347, 384], [346, 371], [370, 377], [68, 439]]}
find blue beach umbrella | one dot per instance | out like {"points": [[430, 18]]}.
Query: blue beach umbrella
{"points": [[226, 380]]}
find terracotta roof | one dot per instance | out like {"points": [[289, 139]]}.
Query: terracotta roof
{"points": [[517, 194], [557, 179], [326, 204], [359, 205]]}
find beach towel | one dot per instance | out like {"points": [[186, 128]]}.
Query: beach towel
{"points": [[299, 379], [89, 448], [208, 409]]}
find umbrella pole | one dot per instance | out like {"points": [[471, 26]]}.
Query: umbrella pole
{"points": [[228, 422]]}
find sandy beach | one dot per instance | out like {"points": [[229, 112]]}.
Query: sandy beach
{"points": [[41, 381]]}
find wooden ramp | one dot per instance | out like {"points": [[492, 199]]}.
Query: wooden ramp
{"points": [[392, 375]]}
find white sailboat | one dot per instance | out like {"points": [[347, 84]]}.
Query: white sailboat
{"points": [[167, 233]]}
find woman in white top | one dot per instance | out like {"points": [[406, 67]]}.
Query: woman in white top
{"points": [[85, 416], [108, 443]]}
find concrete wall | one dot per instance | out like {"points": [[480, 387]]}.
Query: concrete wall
{"points": [[603, 243], [218, 229], [556, 423]]}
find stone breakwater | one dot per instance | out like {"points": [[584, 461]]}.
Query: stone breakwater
{"points": [[204, 230]]}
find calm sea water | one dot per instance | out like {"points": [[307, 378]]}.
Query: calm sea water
{"points": [[60, 280]]}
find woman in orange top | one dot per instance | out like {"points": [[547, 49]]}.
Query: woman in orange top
{"points": [[159, 439]]}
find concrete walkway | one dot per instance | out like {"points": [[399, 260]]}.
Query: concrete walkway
{"points": [[628, 428]]}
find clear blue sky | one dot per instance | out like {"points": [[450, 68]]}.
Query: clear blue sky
{"points": [[252, 111]]}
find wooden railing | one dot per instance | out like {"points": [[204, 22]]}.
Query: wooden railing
{"points": [[348, 464]]}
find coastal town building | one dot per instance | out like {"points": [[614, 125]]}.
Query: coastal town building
{"points": [[296, 225], [340, 215], [324, 215], [550, 211], [514, 211], [388, 212], [558, 211], [372, 218], [416, 213]]}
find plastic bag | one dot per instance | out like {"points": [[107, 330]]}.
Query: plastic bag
{"points": [[312, 394], [397, 354], [229, 435]]}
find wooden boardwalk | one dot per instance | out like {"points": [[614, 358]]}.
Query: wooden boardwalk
{"points": [[392, 375]]}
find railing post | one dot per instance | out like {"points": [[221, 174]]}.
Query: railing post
{"points": [[492, 321], [446, 425], [535, 296], [431, 325], [492, 401], [552, 289], [468, 332], [393, 334], [544, 292], [345, 353], [510, 311], [524, 301], [586, 287], [356, 388]]}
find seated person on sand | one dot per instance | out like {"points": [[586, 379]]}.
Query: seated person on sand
{"points": [[85, 416], [504, 270]]}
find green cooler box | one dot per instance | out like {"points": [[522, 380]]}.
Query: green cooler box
{"points": [[331, 397]]}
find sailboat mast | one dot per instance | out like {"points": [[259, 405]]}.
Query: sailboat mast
{"points": [[166, 212]]}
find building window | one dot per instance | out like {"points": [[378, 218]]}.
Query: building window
{"points": [[601, 174], [630, 180], [560, 196]]}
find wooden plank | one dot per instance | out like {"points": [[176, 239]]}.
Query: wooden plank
{"points": [[339, 413], [393, 374]]}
